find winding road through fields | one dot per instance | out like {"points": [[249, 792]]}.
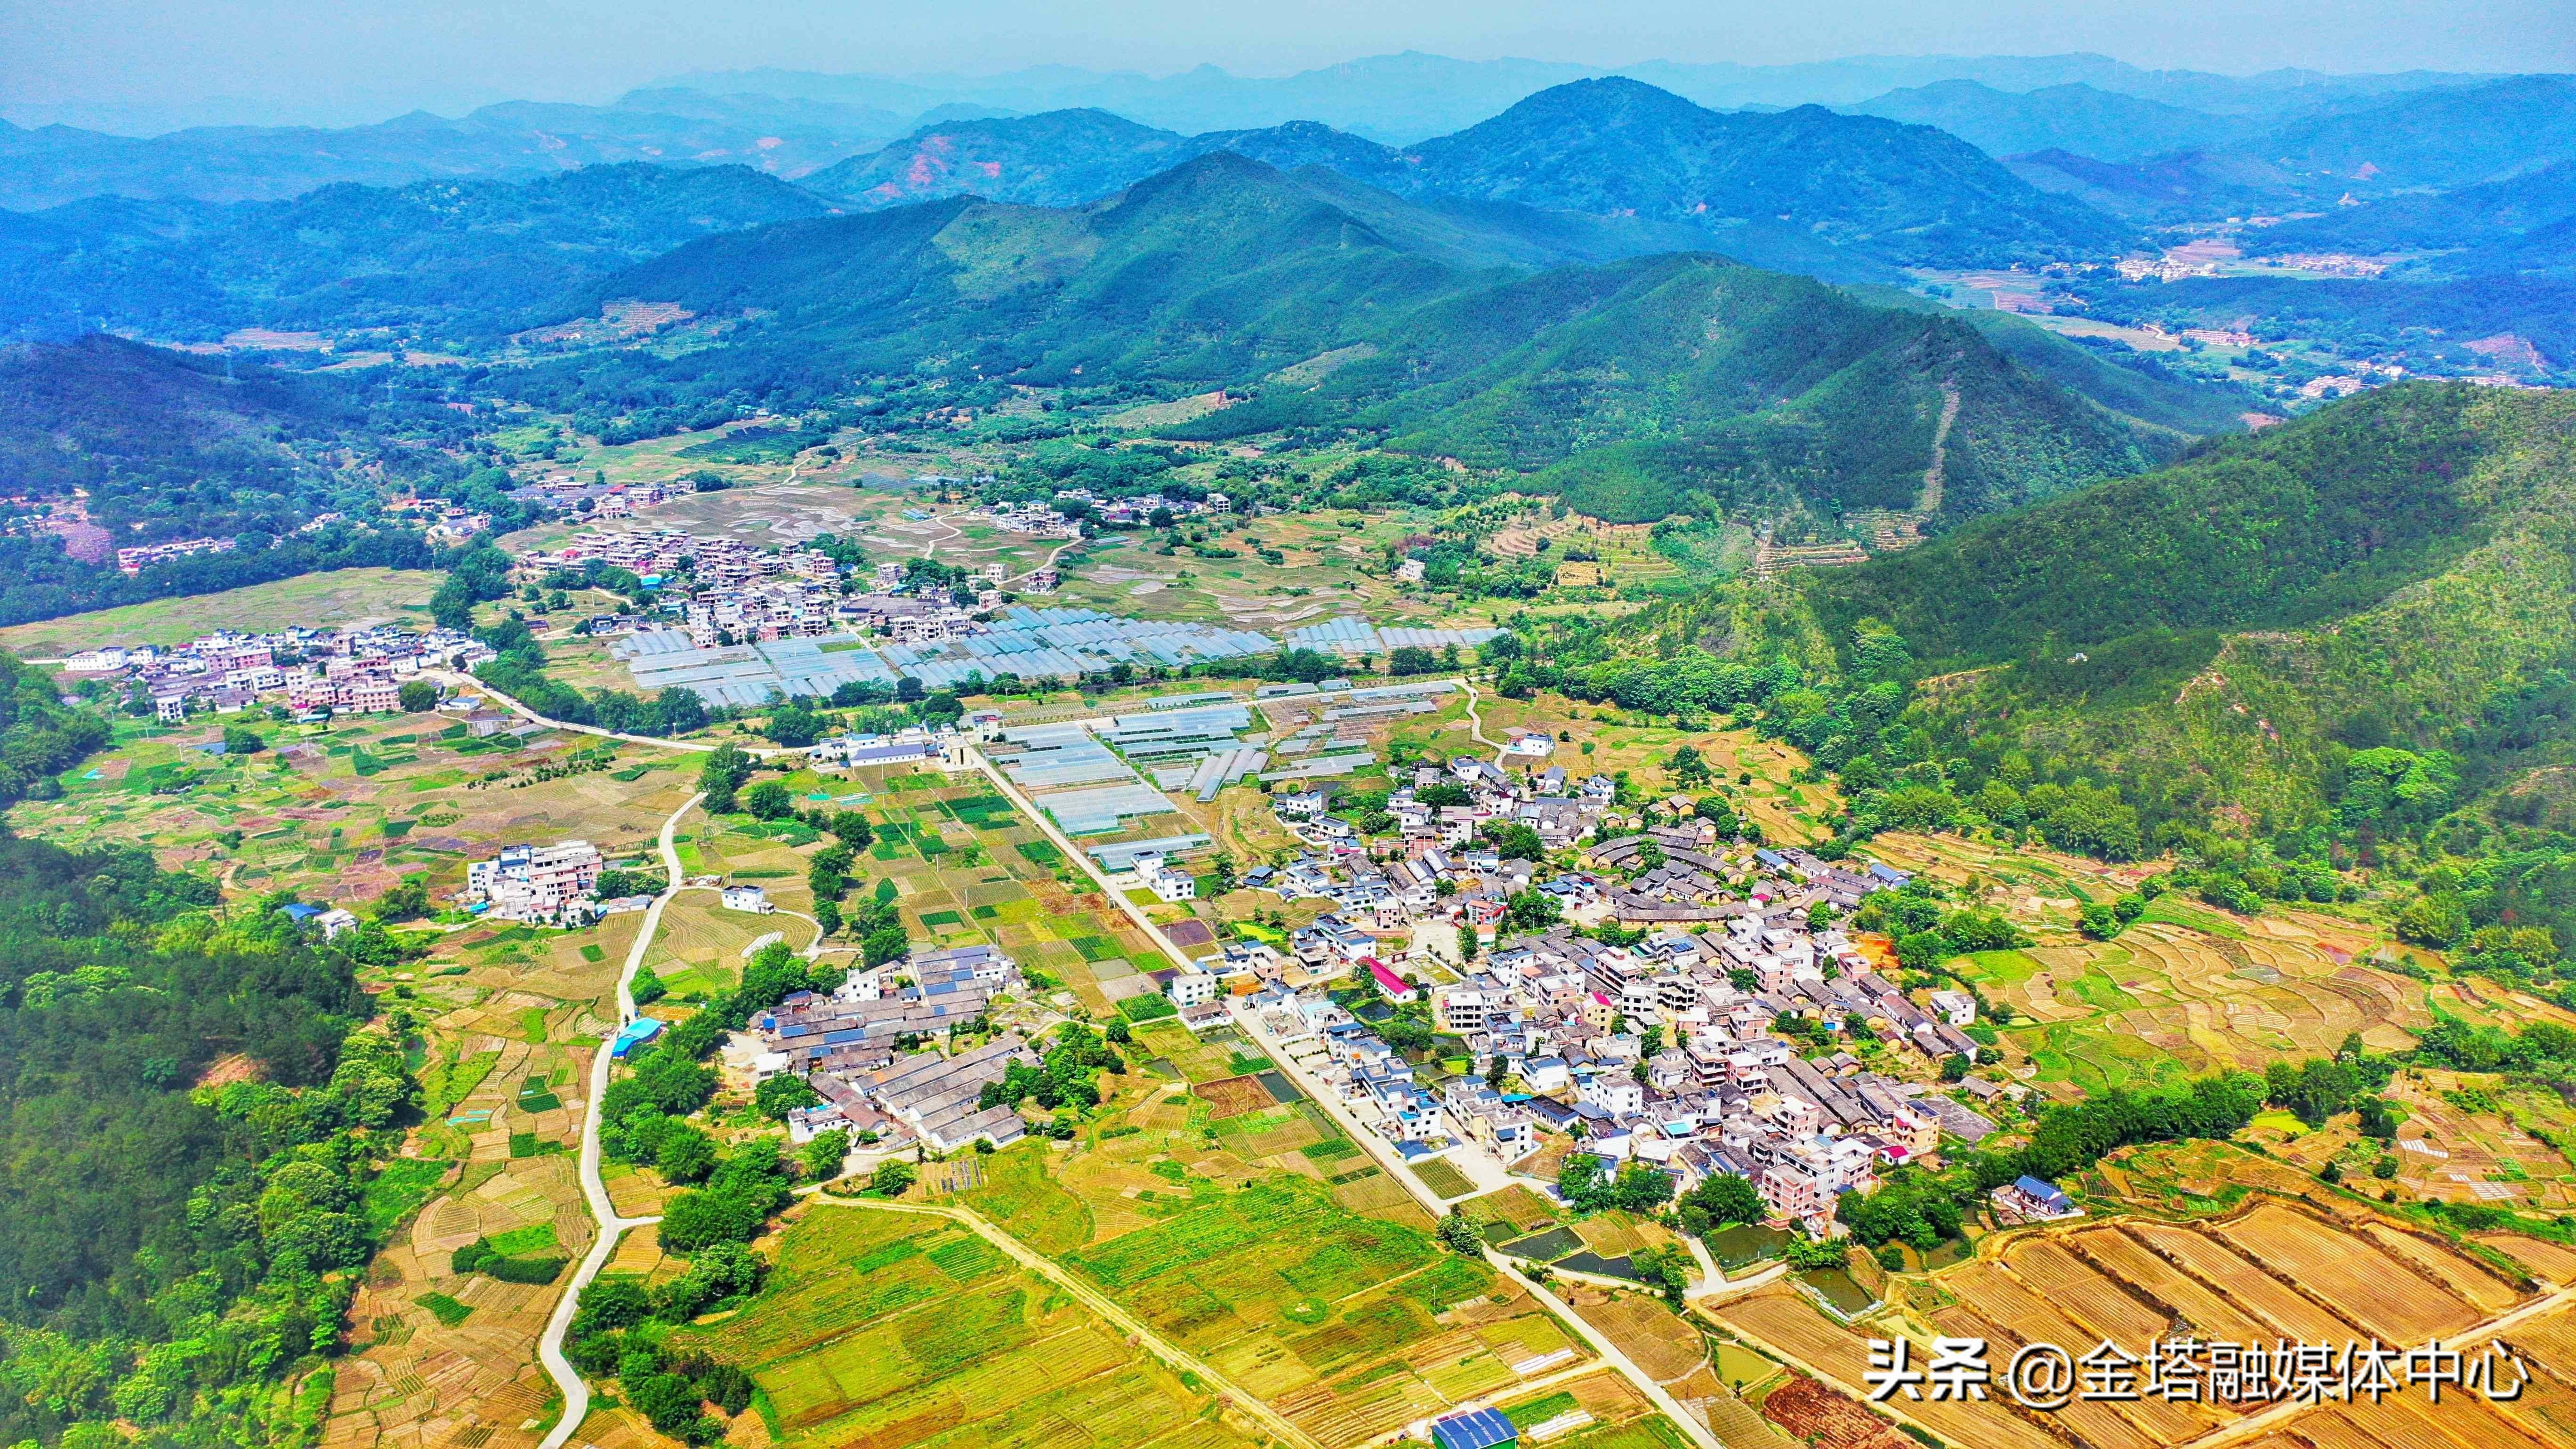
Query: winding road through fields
{"points": [[594, 1192]]}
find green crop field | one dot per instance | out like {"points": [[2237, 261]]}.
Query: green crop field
{"points": [[1331, 1300], [883, 1327]]}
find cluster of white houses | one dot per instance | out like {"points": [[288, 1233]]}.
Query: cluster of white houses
{"points": [[546, 884], [726, 590], [313, 672]]}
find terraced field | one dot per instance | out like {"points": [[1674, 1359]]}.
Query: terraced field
{"points": [[2268, 1271]]}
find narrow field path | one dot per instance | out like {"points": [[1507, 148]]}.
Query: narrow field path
{"points": [[1235, 1396]]}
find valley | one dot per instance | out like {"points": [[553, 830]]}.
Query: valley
{"points": [[1423, 752]]}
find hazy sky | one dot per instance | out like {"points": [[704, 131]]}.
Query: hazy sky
{"points": [[382, 56]]}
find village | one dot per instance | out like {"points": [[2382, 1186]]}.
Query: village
{"points": [[309, 673], [1663, 999]]}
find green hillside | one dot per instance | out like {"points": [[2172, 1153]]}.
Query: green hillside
{"points": [[2191, 408], [2221, 636], [1470, 330], [1709, 369]]}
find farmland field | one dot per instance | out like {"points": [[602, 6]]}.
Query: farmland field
{"points": [[342, 598], [880, 1327], [2270, 1269], [1317, 1286]]}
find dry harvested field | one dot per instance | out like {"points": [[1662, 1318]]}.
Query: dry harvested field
{"points": [[340, 814], [1608, 740], [2269, 1271], [2165, 1001]]}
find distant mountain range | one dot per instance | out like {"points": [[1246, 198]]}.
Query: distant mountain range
{"points": [[1409, 97], [792, 123], [52, 165], [1808, 189], [2083, 119], [436, 258], [2447, 138]]}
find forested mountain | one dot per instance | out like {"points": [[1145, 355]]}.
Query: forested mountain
{"points": [[166, 1255], [2220, 636], [1421, 327], [2079, 118], [1897, 194], [1807, 189], [436, 258], [171, 447], [517, 140], [2495, 226], [1639, 384]]}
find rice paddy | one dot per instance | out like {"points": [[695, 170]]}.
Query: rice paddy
{"points": [[882, 1328]]}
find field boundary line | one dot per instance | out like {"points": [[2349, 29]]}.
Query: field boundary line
{"points": [[1233, 1395]]}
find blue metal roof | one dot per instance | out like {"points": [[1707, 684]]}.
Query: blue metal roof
{"points": [[1475, 1429]]}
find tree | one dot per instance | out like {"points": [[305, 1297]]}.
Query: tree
{"points": [[893, 1177], [685, 1154], [1579, 1181], [417, 696], [2098, 921], [680, 710], [1687, 768], [1641, 1189], [1954, 1068], [1459, 1235], [723, 773], [782, 1094], [1718, 1202], [406, 899], [1815, 1253], [852, 829], [793, 725], [769, 800], [824, 1155], [242, 740], [1664, 1267]]}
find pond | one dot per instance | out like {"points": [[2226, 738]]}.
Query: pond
{"points": [[1744, 1245], [1739, 1367], [1591, 1262], [1546, 1247], [1839, 1289]]}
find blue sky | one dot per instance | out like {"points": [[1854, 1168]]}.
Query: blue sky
{"points": [[377, 57]]}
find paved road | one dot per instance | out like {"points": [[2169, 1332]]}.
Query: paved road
{"points": [[594, 1192], [1376, 1146], [1249, 1404], [1063, 842], [468, 681], [1476, 723]]}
